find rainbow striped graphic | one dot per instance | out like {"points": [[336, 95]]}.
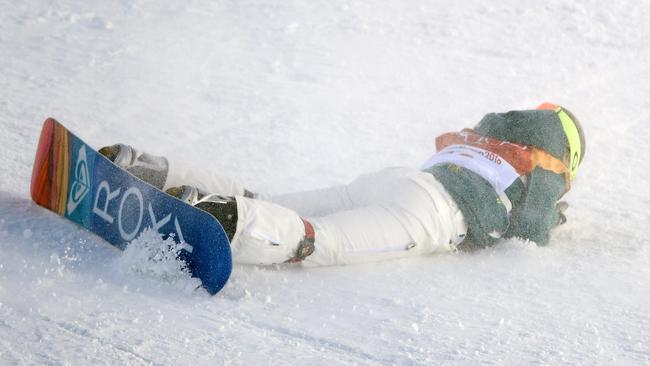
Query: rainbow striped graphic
{"points": [[50, 177]]}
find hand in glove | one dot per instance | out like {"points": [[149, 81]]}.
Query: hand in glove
{"points": [[561, 207]]}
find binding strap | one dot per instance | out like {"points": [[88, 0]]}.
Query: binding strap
{"points": [[306, 246]]}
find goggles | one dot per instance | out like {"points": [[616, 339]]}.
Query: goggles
{"points": [[572, 134]]}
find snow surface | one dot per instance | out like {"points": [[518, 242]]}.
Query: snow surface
{"points": [[291, 95]]}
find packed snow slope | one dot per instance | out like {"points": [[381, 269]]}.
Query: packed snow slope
{"points": [[291, 95]]}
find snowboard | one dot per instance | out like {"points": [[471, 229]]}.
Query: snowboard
{"points": [[75, 181]]}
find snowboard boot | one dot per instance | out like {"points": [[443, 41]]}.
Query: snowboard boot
{"points": [[223, 208], [150, 168]]}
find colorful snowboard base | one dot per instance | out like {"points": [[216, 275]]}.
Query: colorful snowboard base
{"points": [[75, 181]]}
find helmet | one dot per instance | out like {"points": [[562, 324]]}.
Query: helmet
{"points": [[574, 133], [581, 134]]}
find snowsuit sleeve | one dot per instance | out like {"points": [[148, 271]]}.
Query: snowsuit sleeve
{"points": [[536, 213]]}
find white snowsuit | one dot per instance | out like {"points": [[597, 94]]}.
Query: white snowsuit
{"points": [[394, 213]]}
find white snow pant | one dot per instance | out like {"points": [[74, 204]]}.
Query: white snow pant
{"points": [[394, 213]]}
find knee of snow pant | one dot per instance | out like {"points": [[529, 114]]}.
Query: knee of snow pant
{"points": [[204, 179], [266, 233]]}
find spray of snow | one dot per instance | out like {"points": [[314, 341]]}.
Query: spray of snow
{"points": [[151, 255]]}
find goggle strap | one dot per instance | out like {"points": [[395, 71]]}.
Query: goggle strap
{"points": [[544, 160]]}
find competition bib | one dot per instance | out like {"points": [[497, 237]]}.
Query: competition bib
{"points": [[499, 162], [489, 165]]}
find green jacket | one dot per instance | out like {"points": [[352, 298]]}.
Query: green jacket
{"points": [[533, 199]]}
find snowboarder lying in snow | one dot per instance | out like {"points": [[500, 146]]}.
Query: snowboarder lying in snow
{"points": [[501, 179]]}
